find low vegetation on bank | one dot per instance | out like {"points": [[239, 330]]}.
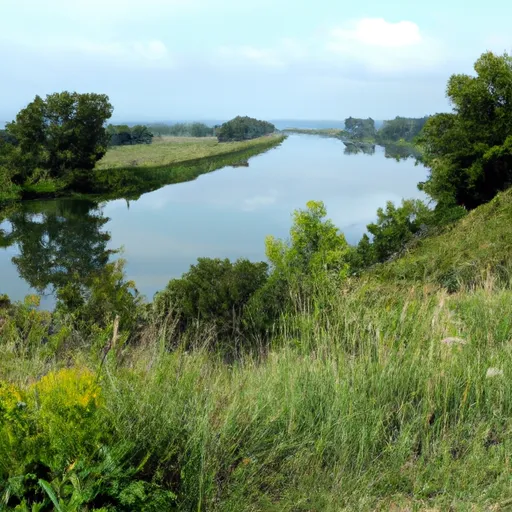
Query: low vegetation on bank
{"points": [[175, 150], [327, 378]]}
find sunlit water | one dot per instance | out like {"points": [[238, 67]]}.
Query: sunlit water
{"points": [[225, 214]]}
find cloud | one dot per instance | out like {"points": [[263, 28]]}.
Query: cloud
{"points": [[382, 46], [377, 32], [150, 53], [359, 46], [286, 52]]}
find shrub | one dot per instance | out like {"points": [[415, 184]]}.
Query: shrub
{"points": [[213, 292], [243, 128]]}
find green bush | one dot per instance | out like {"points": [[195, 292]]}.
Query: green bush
{"points": [[243, 128], [213, 293]]}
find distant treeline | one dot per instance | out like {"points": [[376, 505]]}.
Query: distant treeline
{"points": [[124, 135], [183, 130], [243, 128], [400, 128]]}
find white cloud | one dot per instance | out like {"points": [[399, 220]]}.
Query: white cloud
{"points": [[378, 32], [383, 46], [374, 44]]}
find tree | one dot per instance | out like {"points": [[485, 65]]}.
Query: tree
{"points": [[315, 254], [401, 128], [61, 133], [213, 292], [469, 151], [395, 227], [243, 128], [123, 135], [360, 128]]}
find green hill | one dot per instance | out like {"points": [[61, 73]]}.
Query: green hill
{"points": [[391, 392]]}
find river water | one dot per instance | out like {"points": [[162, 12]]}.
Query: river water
{"points": [[224, 214]]}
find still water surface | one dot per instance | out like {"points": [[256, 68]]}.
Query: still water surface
{"points": [[226, 213]]}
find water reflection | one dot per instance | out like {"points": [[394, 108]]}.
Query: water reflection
{"points": [[355, 148], [400, 152], [54, 240], [223, 214]]}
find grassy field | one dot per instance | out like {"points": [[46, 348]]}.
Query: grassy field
{"points": [[391, 393], [167, 151]]}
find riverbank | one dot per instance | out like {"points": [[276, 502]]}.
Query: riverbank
{"points": [[178, 150], [323, 132], [133, 170], [389, 393], [398, 150]]}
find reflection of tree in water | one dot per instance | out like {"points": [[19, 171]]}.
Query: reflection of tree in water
{"points": [[400, 152], [56, 240], [355, 148]]}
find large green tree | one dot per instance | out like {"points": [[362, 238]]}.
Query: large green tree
{"points": [[469, 151], [360, 128], [244, 128], [65, 131]]}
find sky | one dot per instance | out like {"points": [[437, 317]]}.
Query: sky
{"points": [[272, 59]]}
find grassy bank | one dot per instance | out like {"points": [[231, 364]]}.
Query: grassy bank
{"points": [[134, 170], [185, 159], [391, 392], [170, 151]]}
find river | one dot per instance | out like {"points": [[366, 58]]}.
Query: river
{"points": [[224, 214]]}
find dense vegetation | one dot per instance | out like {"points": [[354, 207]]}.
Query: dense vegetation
{"points": [[401, 128], [319, 380], [469, 151], [360, 128], [123, 135], [243, 128], [57, 136]]}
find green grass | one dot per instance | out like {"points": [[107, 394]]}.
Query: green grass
{"points": [[169, 151], [192, 158], [360, 403], [464, 253]]}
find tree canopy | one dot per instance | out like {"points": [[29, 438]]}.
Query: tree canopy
{"points": [[469, 151], [63, 132], [360, 128], [401, 128], [244, 128], [124, 135]]}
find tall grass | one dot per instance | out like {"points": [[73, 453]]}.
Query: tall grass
{"points": [[387, 394], [362, 408]]}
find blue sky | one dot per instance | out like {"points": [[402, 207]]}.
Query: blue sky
{"points": [[214, 59]]}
